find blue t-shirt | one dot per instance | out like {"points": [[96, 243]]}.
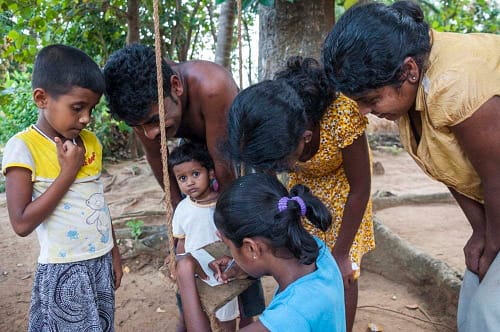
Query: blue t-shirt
{"points": [[314, 302]]}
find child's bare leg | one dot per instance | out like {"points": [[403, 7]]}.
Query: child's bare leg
{"points": [[229, 326], [181, 327], [196, 320]]}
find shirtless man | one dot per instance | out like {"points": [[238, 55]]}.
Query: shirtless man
{"points": [[198, 95]]}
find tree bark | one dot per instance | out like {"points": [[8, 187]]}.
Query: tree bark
{"points": [[287, 29], [225, 29], [133, 22]]}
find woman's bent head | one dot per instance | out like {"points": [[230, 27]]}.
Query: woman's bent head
{"points": [[368, 46]]}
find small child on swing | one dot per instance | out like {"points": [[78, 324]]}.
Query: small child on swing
{"points": [[193, 225]]}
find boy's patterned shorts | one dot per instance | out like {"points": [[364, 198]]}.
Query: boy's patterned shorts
{"points": [[76, 296]]}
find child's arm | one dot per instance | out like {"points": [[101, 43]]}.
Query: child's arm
{"points": [[117, 261], [356, 161], [180, 248], [25, 215]]}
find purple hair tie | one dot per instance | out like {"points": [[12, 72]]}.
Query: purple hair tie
{"points": [[283, 204]]}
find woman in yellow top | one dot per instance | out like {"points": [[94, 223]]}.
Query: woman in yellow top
{"points": [[294, 123], [444, 90]]}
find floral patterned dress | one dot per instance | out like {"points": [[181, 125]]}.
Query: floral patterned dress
{"points": [[324, 174]]}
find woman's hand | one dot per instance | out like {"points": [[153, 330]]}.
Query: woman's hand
{"points": [[473, 251]]}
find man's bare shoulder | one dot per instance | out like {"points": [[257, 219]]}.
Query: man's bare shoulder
{"points": [[208, 77]]}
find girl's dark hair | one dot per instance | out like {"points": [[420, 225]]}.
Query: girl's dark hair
{"points": [[309, 80], [131, 87], [190, 151], [59, 68], [367, 46], [265, 123], [267, 119], [249, 208]]}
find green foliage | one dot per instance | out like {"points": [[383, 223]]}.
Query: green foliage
{"points": [[450, 15], [17, 109], [463, 15], [135, 226], [93, 26]]}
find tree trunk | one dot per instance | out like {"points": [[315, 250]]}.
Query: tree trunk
{"points": [[225, 28], [287, 29], [132, 21]]}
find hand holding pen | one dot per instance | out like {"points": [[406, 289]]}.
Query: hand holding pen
{"points": [[230, 265], [226, 269]]}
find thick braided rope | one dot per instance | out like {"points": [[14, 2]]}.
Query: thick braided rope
{"points": [[163, 136]]}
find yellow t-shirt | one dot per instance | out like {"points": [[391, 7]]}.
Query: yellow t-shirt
{"points": [[80, 226], [462, 73]]}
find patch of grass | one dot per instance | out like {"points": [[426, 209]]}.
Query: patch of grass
{"points": [[135, 226]]}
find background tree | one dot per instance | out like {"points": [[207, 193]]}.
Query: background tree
{"points": [[292, 28]]}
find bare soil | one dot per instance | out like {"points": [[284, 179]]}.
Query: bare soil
{"points": [[145, 302]]}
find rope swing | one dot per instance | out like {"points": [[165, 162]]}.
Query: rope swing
{"points": [[212, 298]]}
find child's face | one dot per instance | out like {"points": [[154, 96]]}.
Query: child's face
{"points": [[66, 115], [193, 179]]}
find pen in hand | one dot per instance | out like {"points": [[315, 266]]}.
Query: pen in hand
{"points": [[230, 265]]}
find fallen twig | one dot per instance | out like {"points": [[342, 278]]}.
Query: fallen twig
{"points": [[428, 320], [137, 214]]}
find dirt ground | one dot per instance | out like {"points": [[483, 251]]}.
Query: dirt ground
{"points": [[144, 302]]}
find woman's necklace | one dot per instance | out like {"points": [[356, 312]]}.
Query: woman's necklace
{"points": [[47, 137]]}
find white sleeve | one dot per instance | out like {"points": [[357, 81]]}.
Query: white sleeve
{"points": [[177, 229], [17, 154]]}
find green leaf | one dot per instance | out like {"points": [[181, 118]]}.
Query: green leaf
{"points": [[349, 3], [13, 34]]}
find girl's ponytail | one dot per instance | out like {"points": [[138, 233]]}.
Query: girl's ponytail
{"points": [[302, 203], [317, 213]]}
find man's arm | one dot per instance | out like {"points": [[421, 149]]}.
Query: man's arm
{"points": [[152, 148], [479, 137], [218, 97]]}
